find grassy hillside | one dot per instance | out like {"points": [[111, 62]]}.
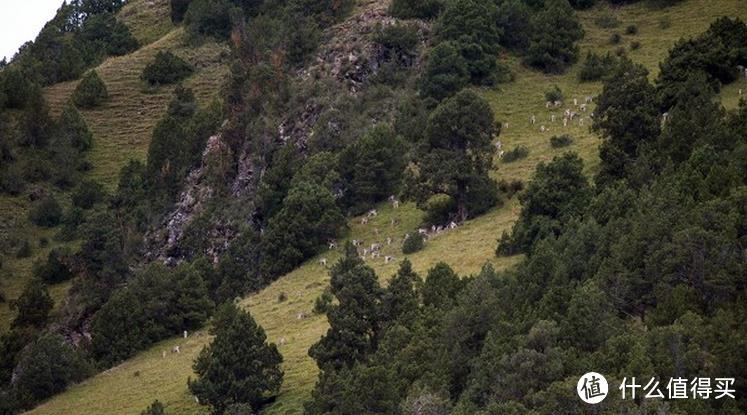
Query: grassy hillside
{"points": [[122, 127], [130, 387]]}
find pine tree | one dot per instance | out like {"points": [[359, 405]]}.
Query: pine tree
{"points": [[558, 193], [441, 287], [555, 31], [372, 168], [46, 367], [471, 25], [400, 298], [90, 92], [193, 305], [445, 73], [118, 328], [73, 130], [458, 150], [308, 219], [694, 120], [627, 117], [239, 366], [356, 320]]}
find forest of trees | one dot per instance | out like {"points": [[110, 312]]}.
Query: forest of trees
{"points": [[652, 247]]}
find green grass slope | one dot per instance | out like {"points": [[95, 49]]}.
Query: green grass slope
{"points": [[130, 387], [122, 127]]}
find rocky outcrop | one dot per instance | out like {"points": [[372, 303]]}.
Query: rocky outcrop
{"points": [[190, 203], [348, 57]]}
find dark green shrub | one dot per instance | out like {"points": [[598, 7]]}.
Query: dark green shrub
{"points": [[239, 366], [415, 9], [156, 303], [179, 9], [209, 18], [516, 153], [308, 219], [615, 38], [717, 52], [156, 408], [413, 243], [56, 269], [510, 188], [554, 94], [631, 30], [24, 250], [72, 129], [399, 41], [620, 51], [105, 33], [47, 367], [513, 17], [11, 181], [471, 25], [558, 141], [323, 302], [555, 32], [282, 297], [71, 221], [46, 213], [596, 67], [635, 45], [445, 73], [91, 92], [87, 194], [166, 68]]}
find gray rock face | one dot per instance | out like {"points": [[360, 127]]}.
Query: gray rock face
{"points": [[349, 57], [197, 191]]}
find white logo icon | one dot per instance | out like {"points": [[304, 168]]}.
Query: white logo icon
{"points": [[592, 388]]}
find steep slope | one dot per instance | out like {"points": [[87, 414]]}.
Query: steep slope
{"points": [[131, 386], [122, 127]]}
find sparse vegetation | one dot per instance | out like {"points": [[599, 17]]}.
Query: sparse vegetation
{"points": [[607, 21]]}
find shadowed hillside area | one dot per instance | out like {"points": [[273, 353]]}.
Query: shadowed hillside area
{"points": [[414, 207]]}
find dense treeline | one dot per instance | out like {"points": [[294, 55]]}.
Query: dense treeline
{"points": [[81, 34], [639, 275]]}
